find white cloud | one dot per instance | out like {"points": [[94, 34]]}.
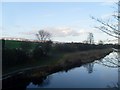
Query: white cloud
{"points": [[64, 31], [60, 31]]}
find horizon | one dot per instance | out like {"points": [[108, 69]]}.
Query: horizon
{"points": [[114, 41]]}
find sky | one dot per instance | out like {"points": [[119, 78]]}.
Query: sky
{"points": [[66, 21]]}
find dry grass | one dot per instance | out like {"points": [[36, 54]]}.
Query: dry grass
{"points": [[73, 60], [85, 56]]}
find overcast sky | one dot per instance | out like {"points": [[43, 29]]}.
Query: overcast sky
{"points": [[66, 21]]}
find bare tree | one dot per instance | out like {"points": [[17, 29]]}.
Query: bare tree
{"points": [[90, 39], [112, 28], [112, 25], [43, 35]]}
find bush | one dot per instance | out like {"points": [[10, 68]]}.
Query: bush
{"points": [[38, 52], [25, 46], [11, 57]]}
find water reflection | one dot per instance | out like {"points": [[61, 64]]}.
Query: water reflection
{"points": [[41, 82], [89, 67], [22, 82], [112, 60]]}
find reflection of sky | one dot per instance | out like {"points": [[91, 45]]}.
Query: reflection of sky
{"points": [[69, 21], [79, 77]]}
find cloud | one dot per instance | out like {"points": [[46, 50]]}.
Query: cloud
{"points": [[64, 31], [60, 31]]}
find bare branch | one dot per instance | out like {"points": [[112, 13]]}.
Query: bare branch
{"points": [[107, 31], [43, 35]]}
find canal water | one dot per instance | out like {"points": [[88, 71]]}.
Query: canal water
{"points": [[98, 74]]}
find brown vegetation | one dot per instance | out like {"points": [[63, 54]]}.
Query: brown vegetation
{"points": [[69, 61]]}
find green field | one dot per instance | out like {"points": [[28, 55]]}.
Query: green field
{"points": [[12, 44]]}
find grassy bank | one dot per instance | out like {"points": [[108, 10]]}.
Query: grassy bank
{"points": [[45, 61], [22, 54], [61, 62], [85, 56]]}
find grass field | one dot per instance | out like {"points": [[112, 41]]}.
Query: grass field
{"points": [[12, 44]]}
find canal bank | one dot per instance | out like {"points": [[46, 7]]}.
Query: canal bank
{"points": [[67, 62], [41, 77], [70, 61]]}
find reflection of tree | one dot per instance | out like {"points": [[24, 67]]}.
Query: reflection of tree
{"points": [[42, 81], [89, 67], [22, 82], [111, 61], [45, 82], [114, 86], [16, 82]]}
